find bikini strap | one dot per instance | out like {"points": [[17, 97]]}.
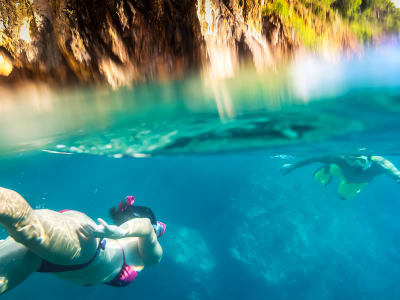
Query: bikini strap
{"points": [[123, 252], [126, 275], [49, 267]]}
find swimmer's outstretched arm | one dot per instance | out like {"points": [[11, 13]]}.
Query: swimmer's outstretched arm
{"points": [[388, 167], [149, 248], [287, 168], [48, 234]]}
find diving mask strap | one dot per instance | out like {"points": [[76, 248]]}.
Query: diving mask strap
{"points": [[159, 228]]}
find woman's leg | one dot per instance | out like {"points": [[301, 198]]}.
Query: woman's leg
{"points": [[16, 264], [50, 235]]}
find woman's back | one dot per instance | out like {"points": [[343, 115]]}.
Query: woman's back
{"points": [[103, 268]]}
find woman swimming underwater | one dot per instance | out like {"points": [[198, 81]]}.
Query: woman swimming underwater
{"points": [[72, 246], [354, 171]]}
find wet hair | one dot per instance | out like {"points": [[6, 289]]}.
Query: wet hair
{"points": [[132, 212]]}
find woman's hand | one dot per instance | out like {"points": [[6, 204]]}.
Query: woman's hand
{"points": [[103, 230]]}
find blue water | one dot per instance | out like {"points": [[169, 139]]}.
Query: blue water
{"points": [[237, 229], [206, 157]]}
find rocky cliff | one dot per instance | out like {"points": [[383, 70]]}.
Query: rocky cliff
{"points": [[120, 42]]}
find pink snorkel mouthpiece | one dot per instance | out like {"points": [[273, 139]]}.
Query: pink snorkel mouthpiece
{"points": [[123, 205]]}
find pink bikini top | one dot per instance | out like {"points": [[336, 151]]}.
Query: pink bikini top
{"points": [[126, 275]]}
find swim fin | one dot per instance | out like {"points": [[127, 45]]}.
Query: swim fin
{"points": [[323, 176], [348, 190], [335, 170]]}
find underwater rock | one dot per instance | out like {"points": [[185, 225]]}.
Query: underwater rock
{"points": [[204, 134], [188, 248], [299, 235]]}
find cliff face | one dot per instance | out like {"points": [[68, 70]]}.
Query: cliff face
{"points": [[27, 44], [123, 41], [94, 41], [232, 34]]}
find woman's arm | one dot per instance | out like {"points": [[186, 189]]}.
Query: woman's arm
{"points": [[149, 248], [388, 167], [287, 168]]}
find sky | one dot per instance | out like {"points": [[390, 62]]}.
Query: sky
{"points": [[396, 2]]}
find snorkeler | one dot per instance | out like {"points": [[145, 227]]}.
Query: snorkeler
{"points": [[355, 172], [72, 246]]}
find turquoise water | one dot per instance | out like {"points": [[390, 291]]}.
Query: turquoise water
{"points": [[206, 156]]}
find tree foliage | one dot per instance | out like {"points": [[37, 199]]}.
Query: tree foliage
{"points": [[379, 12], [348, 8], [368, 19]]}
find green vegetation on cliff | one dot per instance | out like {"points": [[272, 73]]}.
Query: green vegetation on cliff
{"points": [[371, 18], [318, 21]]}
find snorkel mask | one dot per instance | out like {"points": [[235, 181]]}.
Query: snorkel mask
{"points": [[361, 161], [159, 227]]}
